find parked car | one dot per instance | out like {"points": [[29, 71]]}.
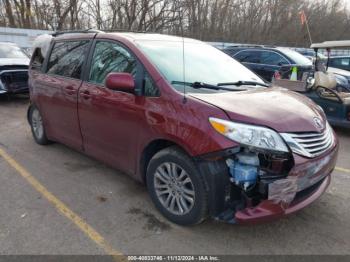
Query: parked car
{"points": [[322, 86], [341, 62], [266, 60], [204, 134], [336, 65], [13, 69], [310, 54]]}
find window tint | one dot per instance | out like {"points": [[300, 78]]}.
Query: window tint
{"points": [[67, 58], [249, 56], [110, 57], [272, 58], [37, 59], [341, 62]]}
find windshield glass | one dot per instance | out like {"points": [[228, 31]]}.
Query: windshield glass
{"points": [[203, 63], [299, 59], [11, 51]]}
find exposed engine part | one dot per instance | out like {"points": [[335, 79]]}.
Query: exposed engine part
{"points": [[244, 169]]}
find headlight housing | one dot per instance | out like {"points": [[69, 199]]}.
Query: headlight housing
{"points": [[250, 135]]}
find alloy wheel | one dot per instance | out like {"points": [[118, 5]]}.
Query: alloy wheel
{"points": [[174, 188], [37, 123]]}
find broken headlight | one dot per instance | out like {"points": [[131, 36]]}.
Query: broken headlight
{"points": [[250, 135]]}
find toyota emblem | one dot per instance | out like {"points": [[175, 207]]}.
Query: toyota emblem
{"points": [[318, 123]]}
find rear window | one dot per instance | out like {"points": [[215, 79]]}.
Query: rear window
{"points": [[67, 58]]}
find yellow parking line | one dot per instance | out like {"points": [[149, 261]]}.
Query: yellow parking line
{"points": [[63, 209], [340, 169]]}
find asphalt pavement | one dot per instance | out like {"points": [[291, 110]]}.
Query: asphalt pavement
{"points": [[54, 200]]}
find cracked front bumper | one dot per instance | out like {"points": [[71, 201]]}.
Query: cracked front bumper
{"points": [[312, 177], [267, 210]]}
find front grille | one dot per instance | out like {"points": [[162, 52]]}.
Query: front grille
{"points": [[14, 79], [310, 144]]}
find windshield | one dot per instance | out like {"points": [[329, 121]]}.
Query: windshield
{"points": [[203, 63], [299, 59], [11, 51]]}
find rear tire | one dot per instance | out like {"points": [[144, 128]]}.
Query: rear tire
{"points": [[176, 187], [37, 126]]}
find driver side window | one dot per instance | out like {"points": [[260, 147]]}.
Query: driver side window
{"points": [[110, 57]]}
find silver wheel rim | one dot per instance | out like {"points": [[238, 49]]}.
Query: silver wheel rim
{"points": [[37, 124], [174, 188]]}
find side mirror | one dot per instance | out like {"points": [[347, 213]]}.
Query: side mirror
{"points": [[120, 82]]}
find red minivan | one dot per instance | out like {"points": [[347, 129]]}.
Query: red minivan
{"points": [[206, 135]]}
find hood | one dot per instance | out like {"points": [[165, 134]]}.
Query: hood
{"points": [[277, 108], [14, 61], [339, 71]]}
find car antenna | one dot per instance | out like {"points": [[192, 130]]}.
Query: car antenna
{"points": [[183, 60]]}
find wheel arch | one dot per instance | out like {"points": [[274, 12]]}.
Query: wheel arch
{"points": [[150, 150]]}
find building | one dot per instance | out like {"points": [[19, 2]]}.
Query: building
{"points": [[22, 37]]}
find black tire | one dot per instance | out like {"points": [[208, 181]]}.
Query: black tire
{"points": [[199, 207], [39, 137]]}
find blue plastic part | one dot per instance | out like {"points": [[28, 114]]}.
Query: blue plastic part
{"points": [[243, 174]]}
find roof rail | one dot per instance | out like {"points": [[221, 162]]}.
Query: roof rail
{"points": [[89, 30], [129, 31], [250, 45]]}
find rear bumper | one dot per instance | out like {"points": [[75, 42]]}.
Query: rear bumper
{"points": [[268, 210]]}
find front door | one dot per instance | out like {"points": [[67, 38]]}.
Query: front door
{"points": [[110, 120]]}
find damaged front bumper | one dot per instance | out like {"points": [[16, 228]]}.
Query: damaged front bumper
{"points": [[305, 182], [268, 210]]}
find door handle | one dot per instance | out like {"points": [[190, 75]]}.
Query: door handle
{"points": [[85, 94], [69, 90]]}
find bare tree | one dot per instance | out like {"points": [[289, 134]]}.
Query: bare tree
{"points": [[247, 21]]}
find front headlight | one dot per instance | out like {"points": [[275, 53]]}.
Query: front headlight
{"points": [[249, 135]]}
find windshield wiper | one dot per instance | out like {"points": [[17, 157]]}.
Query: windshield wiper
{"points": [[198, 85], [243, 83]]}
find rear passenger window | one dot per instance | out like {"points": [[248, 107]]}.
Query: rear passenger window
{"points": [[248, 56], [67, 58], [272, 58], [110, 57]]}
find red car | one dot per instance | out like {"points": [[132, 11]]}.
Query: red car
{"points": [[199, 129]]}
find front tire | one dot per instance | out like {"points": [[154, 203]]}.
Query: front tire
{"points": [[176, 187], [37, 126]]}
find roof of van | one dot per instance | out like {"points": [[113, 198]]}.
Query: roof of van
{"points": [[132, 36], [152, 37]]}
